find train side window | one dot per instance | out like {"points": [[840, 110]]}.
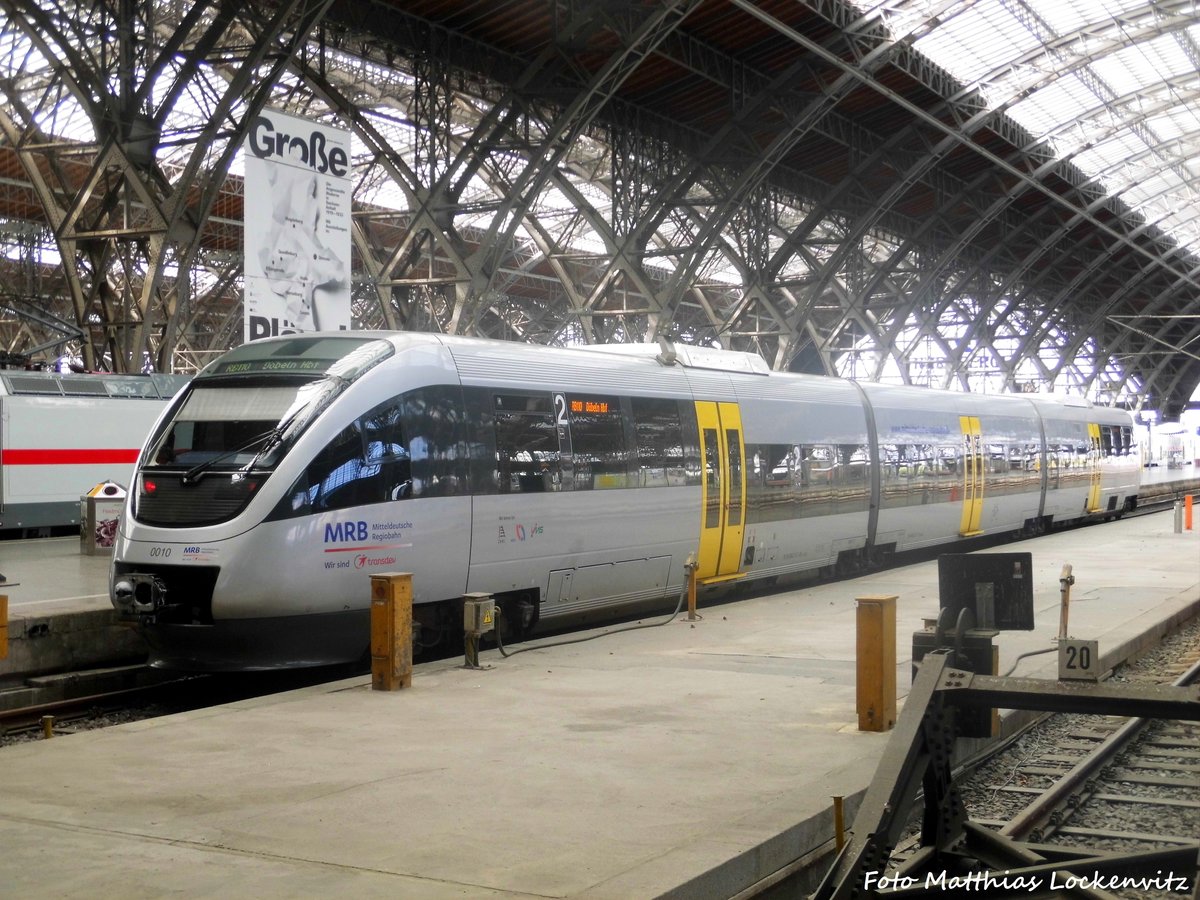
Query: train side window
{"points": [[386, 455], [338, 476], [435, 426], [772, 482], [366, 462], [527, 452], [789, 481], [712, 468], [1109, 435], [1127, 439], [601, 458], [911, 474], [660, 454], [852, 479]]}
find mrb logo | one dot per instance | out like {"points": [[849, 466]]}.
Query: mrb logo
{"points": [[344, 532]]}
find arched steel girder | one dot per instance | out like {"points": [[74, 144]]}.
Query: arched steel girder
{"points": [[932, 274], [667, 202], [24, 139], [561, 129], [1139, 351], [1094, 127], [871, 47], [1179, 363], [1087, 215], [1187, 184], [573, 120], [1081, 67], [833, 60], [1049, 59], [930, 280], [1186, 376], [1097, 272], [735, 191], [948, 143], [667, 49], [433, 222], [549, 247], [128, 107], [431, 206], [1063, 297]]}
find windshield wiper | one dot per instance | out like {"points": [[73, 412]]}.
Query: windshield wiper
{"points": [[192, 475]]}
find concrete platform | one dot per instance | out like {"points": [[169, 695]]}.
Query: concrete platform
{"points": [[59, 614], [683, 761]]}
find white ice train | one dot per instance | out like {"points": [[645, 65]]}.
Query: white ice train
{"points": [[61, 435], [562, 481]]}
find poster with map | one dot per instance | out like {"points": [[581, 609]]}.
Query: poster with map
{"points": [[297, 226]]}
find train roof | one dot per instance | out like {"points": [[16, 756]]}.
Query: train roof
{"points": [[475, 355]]}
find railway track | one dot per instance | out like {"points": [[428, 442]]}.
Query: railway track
{"points": [[1110, 784], [142, 693]]}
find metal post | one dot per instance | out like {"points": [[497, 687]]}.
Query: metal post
{"points": [[1179, 517], [391, 631], [3, 626], [876, 658], [1065, 580], [690, 568]]}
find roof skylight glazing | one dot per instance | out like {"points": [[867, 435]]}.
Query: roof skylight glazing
{"points": [[1111, 85]]}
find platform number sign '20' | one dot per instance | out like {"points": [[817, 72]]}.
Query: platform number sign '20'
{"points": [[1078, 660]]}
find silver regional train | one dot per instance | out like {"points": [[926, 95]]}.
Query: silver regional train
{"points": [[562, 481]]}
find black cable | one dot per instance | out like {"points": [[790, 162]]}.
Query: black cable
{"points": [[591, 637], [1017, 661]]}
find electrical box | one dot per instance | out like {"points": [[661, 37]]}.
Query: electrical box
{"points": [[996, 587], [479, 613]]}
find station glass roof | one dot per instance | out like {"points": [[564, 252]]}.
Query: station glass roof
{"points": [[1110, 85]]}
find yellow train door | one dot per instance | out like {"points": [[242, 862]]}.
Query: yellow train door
{"points": [[1095, 452], [973, 469], [723, 516]]}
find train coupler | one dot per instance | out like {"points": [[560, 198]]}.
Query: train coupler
{"points": [[139, 595]]}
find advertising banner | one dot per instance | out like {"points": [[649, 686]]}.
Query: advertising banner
{"points": [[297, 226]]}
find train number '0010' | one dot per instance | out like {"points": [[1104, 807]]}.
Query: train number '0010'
{"points": [[160, 552]]}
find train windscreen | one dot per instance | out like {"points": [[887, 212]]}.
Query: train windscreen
{"points": [[247, 406]]}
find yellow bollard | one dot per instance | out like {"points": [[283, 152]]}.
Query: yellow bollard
{"points": [[3, 626], [47, 727], [876, 654], [391, 631]]}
